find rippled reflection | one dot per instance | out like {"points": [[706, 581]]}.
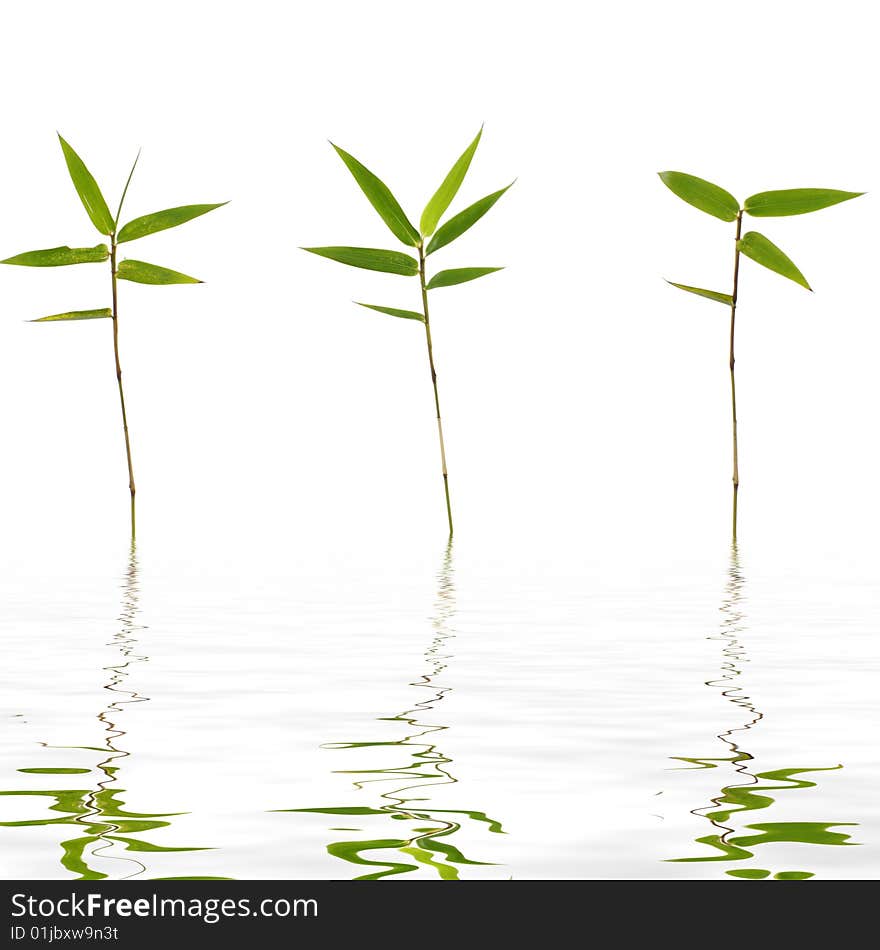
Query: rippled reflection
{"points": [[102, 830], [751, 790], [424, 837]]}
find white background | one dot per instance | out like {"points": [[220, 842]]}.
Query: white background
{"points": [[581, 393], [279, 429]]}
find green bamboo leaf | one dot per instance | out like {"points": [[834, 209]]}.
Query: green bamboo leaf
{"points": [[61, 256], [702, 194], [778, 204], [125, 191], [456, 226], [143, 273], [88, 190], [370, 258], [443, 196], [76, 315], [380, 197], [393, 312], [162, 220], [459, 275], [709, 294], [766, 253]]}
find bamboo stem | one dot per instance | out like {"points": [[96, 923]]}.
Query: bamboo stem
{"points": [[732, 375], [115, 314], [434, 381]]}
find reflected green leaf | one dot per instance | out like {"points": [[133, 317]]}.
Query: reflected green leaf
{"points": [[459, 275], [370, 258], [380, 197], [135, 844], [88, 190], [60, 256], [778, 204], [763, 251], [798, 832], [750, 874], [457, 225], [446, 871], [451, 852], [727, 851], [481, 816], [702, 194], [142, 273], [351, 851], [98, 817], [162, 220], [443, 196]]}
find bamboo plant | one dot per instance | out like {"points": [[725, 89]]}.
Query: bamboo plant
{"points": [[127, 269], [766, 204], [429, 237]]}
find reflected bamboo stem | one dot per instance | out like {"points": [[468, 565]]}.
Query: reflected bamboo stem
{"points": [[752, 789], [102, 823], [414, 783]]}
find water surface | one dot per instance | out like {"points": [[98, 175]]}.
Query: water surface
{"points": [[440, 717]]}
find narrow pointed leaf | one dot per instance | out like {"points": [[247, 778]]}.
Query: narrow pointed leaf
{"points": [[393, 311], [778, 204], [765, 252], [143, 273], [708, 294], [88, 190], [76, 315], [162, 220], [61, 256], [459, 275], [380, 197], [370, 258], [456, 226], [125, 190], [702, 194], [442, 198]]}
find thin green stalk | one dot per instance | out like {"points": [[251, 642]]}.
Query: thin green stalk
{"points": [[736, 254], [434, 380], [131, 487]]}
